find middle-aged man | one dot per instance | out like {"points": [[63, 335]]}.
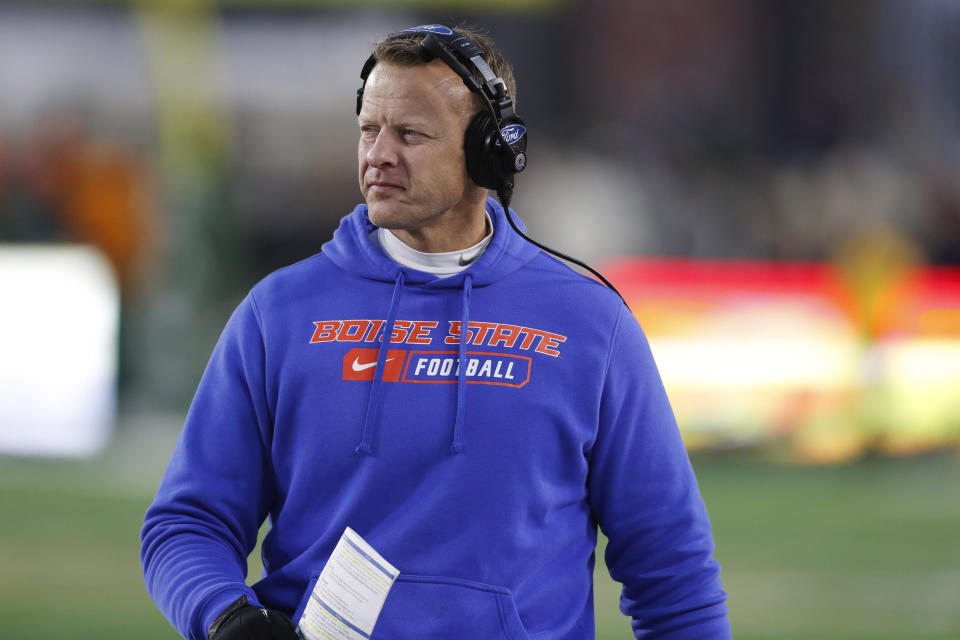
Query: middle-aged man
{"points": [[515, 408]]}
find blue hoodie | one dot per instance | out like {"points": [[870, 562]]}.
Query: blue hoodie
{"points": [[478, 462]]}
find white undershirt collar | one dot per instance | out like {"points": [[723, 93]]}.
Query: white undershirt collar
{"points": [[441, 265]]}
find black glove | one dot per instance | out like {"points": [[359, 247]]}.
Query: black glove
{"points": [[241, 621]]}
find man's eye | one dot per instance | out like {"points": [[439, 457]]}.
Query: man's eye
{"points": [[411, 133]]}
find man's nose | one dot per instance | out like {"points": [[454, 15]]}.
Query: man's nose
{"points": [[383, 151]]}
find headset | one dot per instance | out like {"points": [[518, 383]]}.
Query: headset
{"points": [[495, 141]]}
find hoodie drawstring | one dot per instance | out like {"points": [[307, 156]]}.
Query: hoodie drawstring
{"points": [[373, 403], [456, 445]]}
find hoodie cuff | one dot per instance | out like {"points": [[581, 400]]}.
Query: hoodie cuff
{"points": [[216, 604]]}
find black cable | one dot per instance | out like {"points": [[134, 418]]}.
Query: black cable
{"points": [[505, 196], [505, 191]]}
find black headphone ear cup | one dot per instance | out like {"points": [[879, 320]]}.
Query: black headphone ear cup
{"points": [[479, 148]]}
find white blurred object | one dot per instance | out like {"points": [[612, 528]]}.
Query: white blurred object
{"points": [[59, 318], [587, 206]]}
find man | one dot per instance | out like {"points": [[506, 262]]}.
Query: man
{"points": [[514, 409]]}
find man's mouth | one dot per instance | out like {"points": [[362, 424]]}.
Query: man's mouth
{"points": [[380, 186]]}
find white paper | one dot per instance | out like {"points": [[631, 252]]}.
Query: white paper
{"points": [[350, 592]]}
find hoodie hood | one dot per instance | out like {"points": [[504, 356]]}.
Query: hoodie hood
{"points": [[351, 250]]}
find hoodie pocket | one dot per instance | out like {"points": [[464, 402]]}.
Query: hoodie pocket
{"points": [[421, 607]]}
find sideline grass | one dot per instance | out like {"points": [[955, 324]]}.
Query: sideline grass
{"points": [[868, 550]]}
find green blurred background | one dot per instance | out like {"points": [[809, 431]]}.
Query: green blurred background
{"points": [[864, 550], [194, 146]]}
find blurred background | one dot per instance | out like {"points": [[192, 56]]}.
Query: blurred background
{"points": [[774, 186]]}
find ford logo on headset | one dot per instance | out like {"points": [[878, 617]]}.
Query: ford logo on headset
{"points": [[511, 134], [431, 28]]}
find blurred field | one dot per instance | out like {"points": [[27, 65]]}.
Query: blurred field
{"points": [[868, 550]]}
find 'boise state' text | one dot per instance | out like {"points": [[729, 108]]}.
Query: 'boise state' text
{"points": [[421, 332]]}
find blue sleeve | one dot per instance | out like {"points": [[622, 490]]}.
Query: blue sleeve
{"points": [[215, 492], [645, 498]]}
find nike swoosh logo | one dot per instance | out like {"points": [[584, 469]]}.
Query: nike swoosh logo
{"points": [[464, 261], [356, 366]]}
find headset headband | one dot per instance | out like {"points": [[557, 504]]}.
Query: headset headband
{"points": [[457, 52]]}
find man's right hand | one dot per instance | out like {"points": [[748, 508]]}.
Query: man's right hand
{"points": [[241, 621]]}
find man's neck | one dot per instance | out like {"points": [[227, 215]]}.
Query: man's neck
{"points": [[439, 264], [453, 231]]}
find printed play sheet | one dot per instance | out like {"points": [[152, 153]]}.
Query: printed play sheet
{"points": [[349, 594]]}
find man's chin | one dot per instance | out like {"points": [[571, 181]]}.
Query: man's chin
{"points": [[385, 214]]}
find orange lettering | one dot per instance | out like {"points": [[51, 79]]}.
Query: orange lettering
{"points": [[454, 336], [548, 345], [401, 329], [353, 330], [420, 334], [483, 328], [326, 331], [373, 334], [528, 337], [505, 334]]}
